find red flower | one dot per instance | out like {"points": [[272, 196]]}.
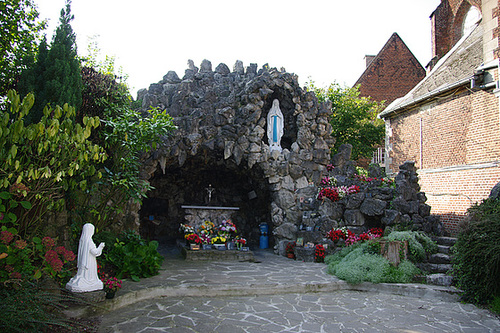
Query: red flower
{"points": [[21, 244], [319, 253], [48, 242], [6, 237], [69, 255], [53, 260], [193, 238], [330, 193]]}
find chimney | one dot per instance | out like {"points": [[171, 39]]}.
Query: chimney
{"points": [[369, 59]]}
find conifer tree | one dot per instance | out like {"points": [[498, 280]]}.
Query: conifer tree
{"points": [[63, 80], [32, 81]]}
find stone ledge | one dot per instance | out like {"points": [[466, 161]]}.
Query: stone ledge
{"points": [[217, 255]]}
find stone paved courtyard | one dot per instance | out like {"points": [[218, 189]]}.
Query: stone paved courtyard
{"points": [[276, 294], [342, 311]]}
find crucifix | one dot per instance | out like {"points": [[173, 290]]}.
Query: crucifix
{"points": [[210, 190]]}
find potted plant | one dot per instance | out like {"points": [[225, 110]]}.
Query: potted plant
{"points": [[240, 242], [111, 286], [319, 253], [219, 242], [206, 242], [290, 250], [194, 241]]}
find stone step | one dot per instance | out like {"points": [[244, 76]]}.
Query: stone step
{"points": [[439, 258], [448, 241], [444, 249], [434, 268], [439, 279]]}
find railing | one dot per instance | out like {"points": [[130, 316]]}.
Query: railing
{"points": [[379, 156]]}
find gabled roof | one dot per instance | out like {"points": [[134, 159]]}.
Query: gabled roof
{"points": [[453, 70], [380, 79]]}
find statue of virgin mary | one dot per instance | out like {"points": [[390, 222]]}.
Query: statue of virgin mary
{"points": [[275, 126], [86, 279]]}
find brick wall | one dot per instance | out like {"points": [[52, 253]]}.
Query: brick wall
{"points": [[392, 73], [462, 129], [457, 130], [446, 23], [451, 193]]}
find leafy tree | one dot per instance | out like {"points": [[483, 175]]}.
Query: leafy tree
{"points": [[19, 33], [126, 134], [354, 118], [40, 161]]}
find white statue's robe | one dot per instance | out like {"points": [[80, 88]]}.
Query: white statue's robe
{"points": [[275, 124], [86, 279]]}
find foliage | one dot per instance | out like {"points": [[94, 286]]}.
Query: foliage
{"points": [[27, 308], [111, 284], [419, 244], [63, 81], [133, 256], [354, 118], [476, 264], [127, 135], [319, 253], [19, 35], [359, 263], [32, 259], [495, 305], [40, 161], [32, 80]]}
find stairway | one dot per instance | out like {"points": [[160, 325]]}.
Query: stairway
{"points": [[439, 264]]}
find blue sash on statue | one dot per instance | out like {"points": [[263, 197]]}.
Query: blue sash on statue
{"points": [[275, 128]]}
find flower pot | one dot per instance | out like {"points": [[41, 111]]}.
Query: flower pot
{"points": [[290, 255], [220, 247], [231, 246], [207, 246], [194, 247], [110, 294]]}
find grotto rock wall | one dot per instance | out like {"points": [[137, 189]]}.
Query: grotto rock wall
{"points": [[221, 118]]}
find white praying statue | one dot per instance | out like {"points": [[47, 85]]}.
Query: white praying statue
{"points": [[275, 126], [86, 278]]}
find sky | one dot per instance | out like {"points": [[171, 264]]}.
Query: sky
{"points": [[324, 41]]}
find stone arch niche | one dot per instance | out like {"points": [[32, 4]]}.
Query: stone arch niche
{"points": [[221, 140], [233, 187]]}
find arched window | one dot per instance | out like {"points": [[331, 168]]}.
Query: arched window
{"points": [[471, 19]]}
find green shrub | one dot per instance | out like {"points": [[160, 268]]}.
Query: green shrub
{"points": [[495, 305], [418, 243], [27, 308], [133, 256], [477, 253], [358, 263]]}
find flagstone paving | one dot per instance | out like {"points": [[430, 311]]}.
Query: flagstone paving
{"points": [[277, 294]]}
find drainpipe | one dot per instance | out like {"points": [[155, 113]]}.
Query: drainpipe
{"points": [[421, 148]]}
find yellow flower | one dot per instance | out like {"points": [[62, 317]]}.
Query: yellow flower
{"points": [[3, 255]]}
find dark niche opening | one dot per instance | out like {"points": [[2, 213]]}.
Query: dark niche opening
{"points": [[234, 186], [287, 107]]}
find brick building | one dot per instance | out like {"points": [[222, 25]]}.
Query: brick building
{"points": [[390, 74], [449, 123]]}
